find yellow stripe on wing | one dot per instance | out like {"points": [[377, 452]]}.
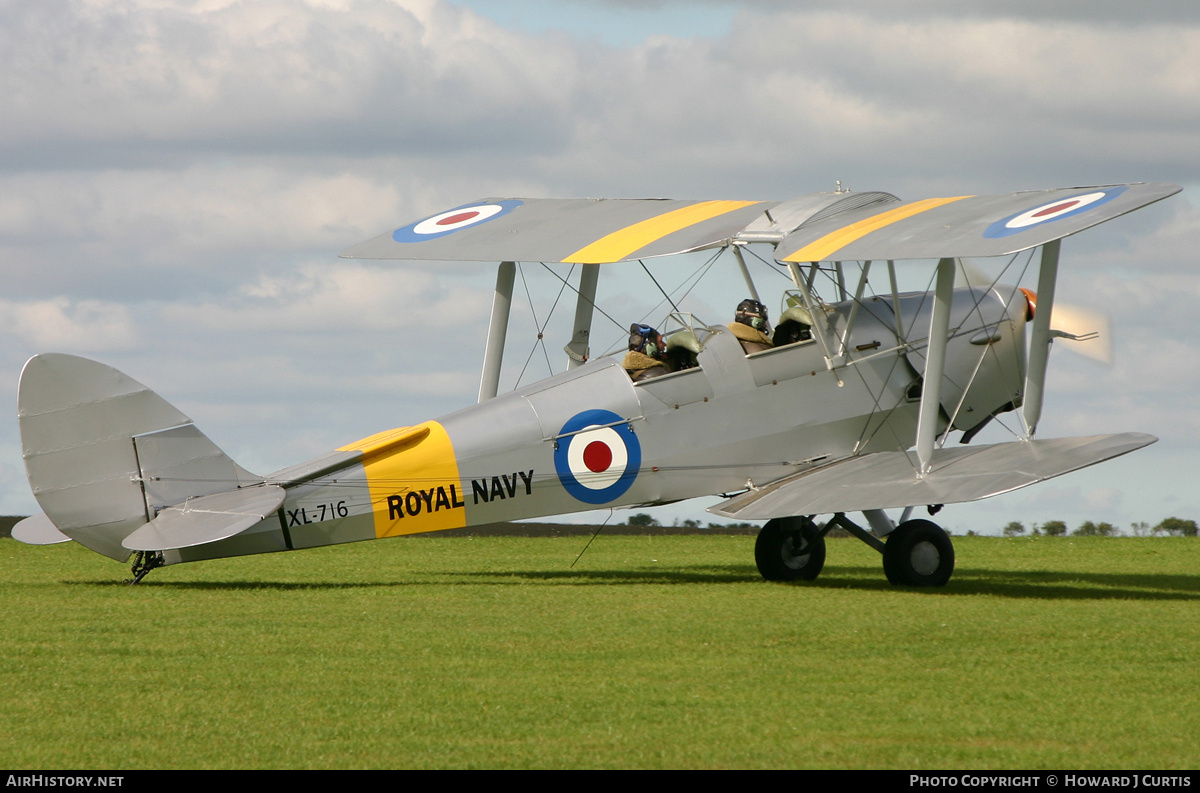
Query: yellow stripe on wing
{"points": [[618, 245], [822, 249]]}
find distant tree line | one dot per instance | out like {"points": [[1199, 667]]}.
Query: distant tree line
{"points": [[1171, 527], [642, 519]]}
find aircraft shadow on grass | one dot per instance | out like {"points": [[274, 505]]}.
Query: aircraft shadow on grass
{"points": [[1033, 584], [1038, 584], [249, 586], [1048, 585]]}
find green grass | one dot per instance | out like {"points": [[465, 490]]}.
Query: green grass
{"points": [[652, 652]]}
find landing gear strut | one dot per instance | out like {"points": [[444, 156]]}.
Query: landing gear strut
{"points": [[790, 549], [143, 563]]}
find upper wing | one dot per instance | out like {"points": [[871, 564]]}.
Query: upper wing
{"points": [[817, 227], [582, 230], [958, 226], [888, 479]]}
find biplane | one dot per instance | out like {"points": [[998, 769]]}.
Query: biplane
{"points": [[847, 412]]}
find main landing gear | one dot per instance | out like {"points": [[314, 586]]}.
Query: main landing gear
{"points": [[790, 549], [917, 552]]}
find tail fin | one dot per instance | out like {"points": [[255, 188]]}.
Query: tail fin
{"points": [[105, 454]]}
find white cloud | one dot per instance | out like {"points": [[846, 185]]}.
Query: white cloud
{"points": [[338, 297], [176, 178], [60, 323]]}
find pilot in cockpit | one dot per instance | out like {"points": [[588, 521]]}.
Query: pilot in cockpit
{"points": [[751, 327], [647, 351]]}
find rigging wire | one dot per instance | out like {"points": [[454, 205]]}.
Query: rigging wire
{"points": [[541, 327], [656, 283], [599, 528], [576, 291], [980, 294], [695, 277]]}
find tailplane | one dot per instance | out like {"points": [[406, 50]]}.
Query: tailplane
{"points": [[105, 454]]}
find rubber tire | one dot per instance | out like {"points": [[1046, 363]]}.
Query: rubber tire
{"points": [[775, 550], [918, 553]]}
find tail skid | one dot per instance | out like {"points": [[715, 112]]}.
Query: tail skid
{"points": [[106, 455]]}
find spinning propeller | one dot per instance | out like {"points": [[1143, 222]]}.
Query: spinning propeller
{"points": [[1070, 321]]}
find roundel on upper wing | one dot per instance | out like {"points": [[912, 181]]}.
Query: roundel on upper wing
{"points": [[1054, 210], [597, 463], [453, 220]]}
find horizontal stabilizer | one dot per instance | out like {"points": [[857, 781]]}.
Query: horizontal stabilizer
{"points": [[38, 530], [889, 479], [206, 519]]}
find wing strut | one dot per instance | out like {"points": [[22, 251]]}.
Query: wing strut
{"points": [[737, 252], [935, 364], [493, 355], [578, 350], [1040, 337], [896, 316], [858, 293], [815, 310]]}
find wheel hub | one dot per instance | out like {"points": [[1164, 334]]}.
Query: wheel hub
{"points": [[925, 558], [795, 552]]}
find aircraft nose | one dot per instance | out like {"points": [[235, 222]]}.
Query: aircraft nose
{"points": [[1030, 303]]}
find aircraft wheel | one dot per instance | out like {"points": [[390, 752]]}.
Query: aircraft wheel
{"points": [[789, 549], [918, 553]]}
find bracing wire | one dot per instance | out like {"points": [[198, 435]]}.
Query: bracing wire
{"points": [[541, 327], [656, 283], [576, 291], [594, 536]]}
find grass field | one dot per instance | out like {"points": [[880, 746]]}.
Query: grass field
{"points": [[656, 651]]}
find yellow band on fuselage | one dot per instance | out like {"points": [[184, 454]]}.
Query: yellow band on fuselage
{"points": [[412, 475], [616, 246], [823, 249]]}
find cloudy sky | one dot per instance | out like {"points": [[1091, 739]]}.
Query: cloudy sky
{"points": [[177, 178]]}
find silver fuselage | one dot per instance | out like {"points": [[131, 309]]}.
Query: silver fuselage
{"points": [[733, 422]]}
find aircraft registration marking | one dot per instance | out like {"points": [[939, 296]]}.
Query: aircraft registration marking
{"points": [[320, 513], [820, 250], [619, 244]]}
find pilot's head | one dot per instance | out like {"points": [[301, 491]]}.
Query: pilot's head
{"points": [[646, 340], [753, 313]]}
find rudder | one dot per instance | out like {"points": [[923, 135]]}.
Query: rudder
{"points": [[104, 453]]}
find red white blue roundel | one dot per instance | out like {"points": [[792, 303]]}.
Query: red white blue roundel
{"points": [[1054, 210], [453, 220], [597, 464]]}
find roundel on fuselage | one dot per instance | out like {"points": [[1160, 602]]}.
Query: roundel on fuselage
{"points": [[597, 458]]}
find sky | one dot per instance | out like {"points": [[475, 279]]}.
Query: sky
{"points": [[177, 178]]}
